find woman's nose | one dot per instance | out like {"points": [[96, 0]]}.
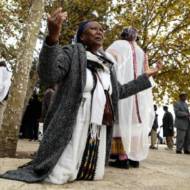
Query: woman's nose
{"points": [[99, 31]]}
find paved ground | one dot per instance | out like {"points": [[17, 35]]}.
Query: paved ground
{"points": [[163, 170]]}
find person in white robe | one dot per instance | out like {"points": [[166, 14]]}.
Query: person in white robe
{"points": [[136, 114]]}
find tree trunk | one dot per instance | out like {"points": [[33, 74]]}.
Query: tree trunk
{"points": [[13, 113], [30, 89]]}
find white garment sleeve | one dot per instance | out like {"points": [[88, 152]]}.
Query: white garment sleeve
{"points": [[1, 79], [5, 82]]}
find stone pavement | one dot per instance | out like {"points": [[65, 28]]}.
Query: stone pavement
{"points": [[163, 170]]}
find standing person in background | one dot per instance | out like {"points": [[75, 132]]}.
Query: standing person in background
{"points": [[35, 116], [5, 83], [153, 132], [31, 118], [168, 127], [130, 138], [182, 123]]}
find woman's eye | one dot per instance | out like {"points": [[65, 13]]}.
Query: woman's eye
{"points": [[93, 28]]}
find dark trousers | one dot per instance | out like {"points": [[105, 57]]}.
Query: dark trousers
{"points": [[33, 131], [183, 140]]}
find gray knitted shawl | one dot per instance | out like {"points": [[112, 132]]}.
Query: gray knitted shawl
{"points": [[66, 66]]}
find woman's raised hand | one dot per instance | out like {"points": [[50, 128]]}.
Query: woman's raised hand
{"points": [[55, 22], [153, 71]]}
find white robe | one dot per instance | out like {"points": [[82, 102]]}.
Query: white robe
{"points": [[68, 165], [134, 135]]}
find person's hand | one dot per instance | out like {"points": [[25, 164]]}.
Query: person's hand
{"points": [[153, 71], [55, 22]]}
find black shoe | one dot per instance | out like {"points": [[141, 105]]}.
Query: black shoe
{"points": [[153, 147], [114, 156], [134, 164], [123, 164], [186, 152], [178, 152]]}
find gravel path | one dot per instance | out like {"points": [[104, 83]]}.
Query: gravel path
{"points": [[163, 170]]}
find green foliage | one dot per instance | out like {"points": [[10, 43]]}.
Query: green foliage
{"points": [[13, 13]]}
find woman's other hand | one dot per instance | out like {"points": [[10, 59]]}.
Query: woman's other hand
{"points": [[55, 22], [153, 71]]}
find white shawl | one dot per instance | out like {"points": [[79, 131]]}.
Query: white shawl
{"points": [[5, 82], [134, 134], [99, 98]]}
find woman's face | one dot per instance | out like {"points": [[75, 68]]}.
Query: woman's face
{"points": [[93, 36]]}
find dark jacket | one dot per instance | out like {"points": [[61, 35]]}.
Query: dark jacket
{"points": [[182, 120], [155, 124], [167, 123], [66, 67]]}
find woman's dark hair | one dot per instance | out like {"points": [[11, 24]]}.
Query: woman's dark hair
{"points": [[129, 34], [155, 107], [2, 64], [165, 108]]}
